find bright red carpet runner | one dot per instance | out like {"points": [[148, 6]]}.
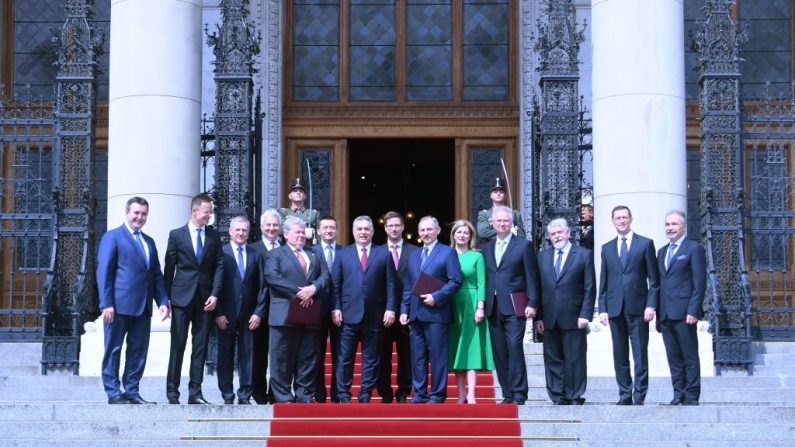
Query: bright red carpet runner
{"points": [[386, 425]]}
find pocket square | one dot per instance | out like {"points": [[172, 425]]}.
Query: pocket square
{"points": [[681, 257]]}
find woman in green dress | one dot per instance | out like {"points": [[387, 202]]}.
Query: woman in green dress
{"points": [[470, 347]]}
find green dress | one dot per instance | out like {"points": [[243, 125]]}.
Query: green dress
{"points": [[470, 345]]}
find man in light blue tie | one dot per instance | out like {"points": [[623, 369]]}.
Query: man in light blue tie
{"points": [[329, 334], [129, 278]]}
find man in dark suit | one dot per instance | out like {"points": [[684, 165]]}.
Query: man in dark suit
{"points": [[270, 223], [510, 268], [128, 279], [430, 314], [629, 289], [396, 335], [194, 268], [294, 273], [568, 292], [683, 282], [329, 334], [364, 304], [239, 313]]}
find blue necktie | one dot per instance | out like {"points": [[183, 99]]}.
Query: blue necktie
{"points": [[199, 244], [241, 267], [558, 264], [141, 246], [424, 257], [622, 255], [671, 253]]}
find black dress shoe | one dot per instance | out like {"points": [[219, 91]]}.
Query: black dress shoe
{"points": [[690, 403], [363, 399], [173, 401], [198, 401], [386, 400], [673, 403], [624, 402], [507, 400], [519, 402], [578, 401], [138, 400], [344, 400], [561, 402], [401, 399], [245, 401], [229, 401], [118, 400]]}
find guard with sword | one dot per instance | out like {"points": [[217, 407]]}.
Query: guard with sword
{"points": [[297, 196], [485, 229]]}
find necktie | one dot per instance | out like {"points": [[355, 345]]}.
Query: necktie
{"points": [[141, 246], [500, 251], [395, 256], [199, 244], [671, 253], [558, 264], [424, 257], [273, 245], [622, 254], [301, 261], [329, 256], [241, 267], [364, 258]]}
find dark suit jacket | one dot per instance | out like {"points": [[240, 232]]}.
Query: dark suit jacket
{"points": [[571, 296], [682, 286], [240, 298], [363, 295], [403, 266], [634, 288], [123, 279], [442, 264], [285, 275], [184, 274], [517, 272]]}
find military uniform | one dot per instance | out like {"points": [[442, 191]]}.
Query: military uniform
{"points": [[310, 217], [486, 231]]}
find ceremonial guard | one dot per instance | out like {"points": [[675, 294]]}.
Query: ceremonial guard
{"points": [[485, 228], [311, 217]]}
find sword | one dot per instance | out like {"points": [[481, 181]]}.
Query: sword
{"points": [[309, 181], [507, 184]]}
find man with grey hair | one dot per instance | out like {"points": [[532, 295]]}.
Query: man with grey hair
{"points": [[511, 272], [271, 227], [295, 278], [683, 282], [364, 304], [568, 293], [429, 311]]}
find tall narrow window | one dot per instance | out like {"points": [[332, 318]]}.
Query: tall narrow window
{"points": [[429, 50], [372, 50], [486, 50], [316, 50]]}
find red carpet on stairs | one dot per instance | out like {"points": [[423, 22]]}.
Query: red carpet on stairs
{"points": [[386, 425]]}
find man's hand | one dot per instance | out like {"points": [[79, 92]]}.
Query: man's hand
{"points": [[304, 293], [540, 327], [389, 318], [336, 317], [691, 320], [107, 314], [648, 314], [209, 305], [254, 322], [582, 323], [221, 322], [404, 319], [603, 318], [427, 299], [165, 312], [529, 312]]}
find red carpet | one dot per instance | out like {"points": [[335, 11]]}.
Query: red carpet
{"points": [[398, 425]]}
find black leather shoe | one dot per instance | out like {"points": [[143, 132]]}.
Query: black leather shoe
{"points": [[173, 401], [401, 399], [519, 402], [229, 401], [198, 401], [386, 400], [638, 402], [673, 403], [690, 403], [138, 400], [561, 402], [578, 401], [624, 402], [260, 400], [118, 400], [344, 400], [245, 401], [507, 400], [363, 399]]}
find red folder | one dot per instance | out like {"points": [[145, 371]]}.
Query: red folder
{"points": [[296, 314], [426, 284], [519, 300]]}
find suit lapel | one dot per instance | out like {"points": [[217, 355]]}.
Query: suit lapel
{"points": [[431, 255], [134, 244], [567, 262]]}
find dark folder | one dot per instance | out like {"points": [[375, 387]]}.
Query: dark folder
{"points": [[519, 300], [303, 315], [426, 284]]}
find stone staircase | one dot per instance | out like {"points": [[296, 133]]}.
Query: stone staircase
{"points": [[736, 410]]}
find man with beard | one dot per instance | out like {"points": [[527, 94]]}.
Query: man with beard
{"points": [[568, 292]]}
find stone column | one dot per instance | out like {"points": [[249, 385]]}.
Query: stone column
{"points": [[155, 110], [638, 113]]}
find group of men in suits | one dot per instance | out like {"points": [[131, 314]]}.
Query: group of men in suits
{"points": [[270, 301]]}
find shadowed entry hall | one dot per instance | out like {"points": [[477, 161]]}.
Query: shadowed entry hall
{"points": [[415, 177]]}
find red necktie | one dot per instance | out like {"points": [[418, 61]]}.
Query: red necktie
{"points": [[395, 256], [364, 258], [301, 261]]}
